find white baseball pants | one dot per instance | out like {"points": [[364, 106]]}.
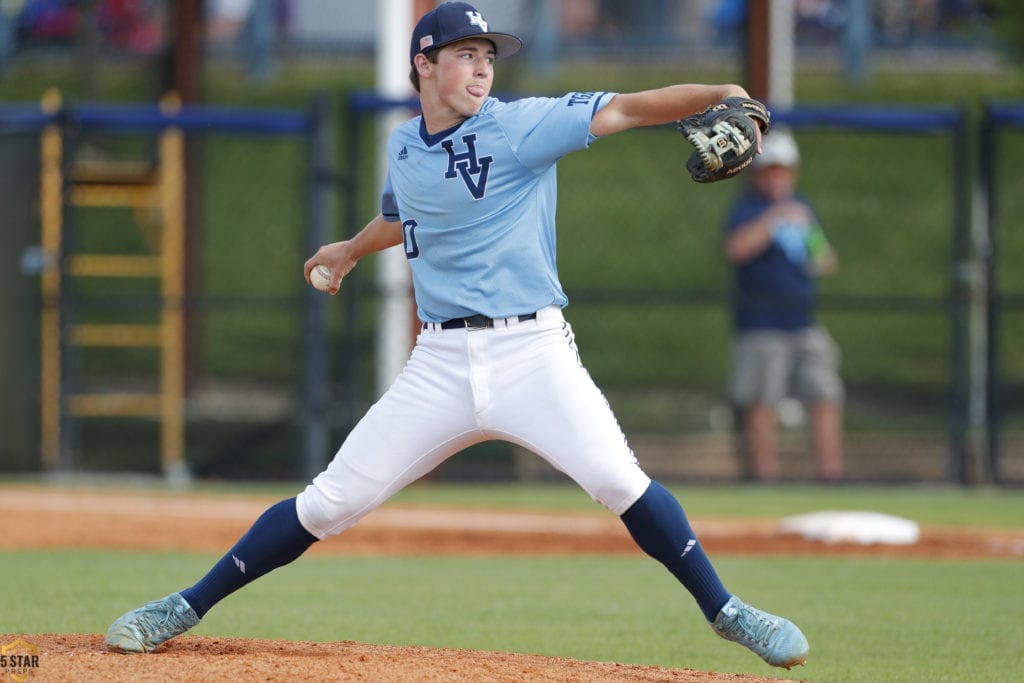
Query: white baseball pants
{"points": [[519, 381]]}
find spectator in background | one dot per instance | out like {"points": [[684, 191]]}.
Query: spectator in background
{"points": [[48, 22], [773, 239], [257, 29], [226, 20]]}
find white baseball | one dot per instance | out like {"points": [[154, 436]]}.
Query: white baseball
{"points": [[320, 277]]}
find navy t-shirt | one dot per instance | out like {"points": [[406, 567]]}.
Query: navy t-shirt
{"points": [[774, 290]]}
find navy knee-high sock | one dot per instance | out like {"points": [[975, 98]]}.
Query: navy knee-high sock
{"points": [[659, 526], [274, 540]]}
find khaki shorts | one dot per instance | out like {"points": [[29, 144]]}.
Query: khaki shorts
{"points": [[769, 365]]}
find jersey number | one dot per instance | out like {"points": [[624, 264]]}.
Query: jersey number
{"points": [[412, 250]]}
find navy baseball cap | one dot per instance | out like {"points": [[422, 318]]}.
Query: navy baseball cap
{"points": [[454, 21]]}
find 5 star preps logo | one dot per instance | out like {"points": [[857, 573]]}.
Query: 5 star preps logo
{"points": [[18, 660]]}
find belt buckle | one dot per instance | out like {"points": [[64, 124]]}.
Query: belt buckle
{"points": [[478, 322]]}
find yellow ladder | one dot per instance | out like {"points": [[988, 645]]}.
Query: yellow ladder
{"points": [[114, 184]]}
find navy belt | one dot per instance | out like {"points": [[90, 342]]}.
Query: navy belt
{"points": [[477, 322]]}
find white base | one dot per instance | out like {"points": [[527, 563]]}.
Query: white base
{"points": [[853, 526]]}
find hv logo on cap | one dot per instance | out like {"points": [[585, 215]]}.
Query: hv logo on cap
{"points": [[475, 18], [454, 21]]}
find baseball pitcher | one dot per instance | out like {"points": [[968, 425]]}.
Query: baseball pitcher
{"points": [[470, 194]]}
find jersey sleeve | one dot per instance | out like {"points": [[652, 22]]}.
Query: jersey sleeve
{"points": [[388, 203], [543, 130]]}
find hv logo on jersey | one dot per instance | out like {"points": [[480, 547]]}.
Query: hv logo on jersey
{"points": [[468, 165]]}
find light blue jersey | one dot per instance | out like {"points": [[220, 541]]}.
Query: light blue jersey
{"points": [[477, 204]]}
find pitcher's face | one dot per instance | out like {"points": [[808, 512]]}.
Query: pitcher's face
{"points": [[464, 74]]}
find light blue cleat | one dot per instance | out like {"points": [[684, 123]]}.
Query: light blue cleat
{"points": [[145, 628], [776, 640]]}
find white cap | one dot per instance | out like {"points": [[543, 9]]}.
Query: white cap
{"points": [[778, 148]]}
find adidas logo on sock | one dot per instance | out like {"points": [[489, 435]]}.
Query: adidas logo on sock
{"points": [[689, 546], [241, 565]]}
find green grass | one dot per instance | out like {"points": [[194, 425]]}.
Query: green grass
{"points": [[867, 619]]}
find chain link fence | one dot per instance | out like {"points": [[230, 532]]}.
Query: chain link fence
{"points": [[255, 201], [640, 253]]}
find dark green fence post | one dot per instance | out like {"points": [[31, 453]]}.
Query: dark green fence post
{"points": [[986, 176], [316, 387], [960, 304]]}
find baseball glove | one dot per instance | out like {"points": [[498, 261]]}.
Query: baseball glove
{"points": [[725, 137]]}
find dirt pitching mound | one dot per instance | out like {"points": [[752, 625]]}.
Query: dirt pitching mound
{"points": [[193, 658]]}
